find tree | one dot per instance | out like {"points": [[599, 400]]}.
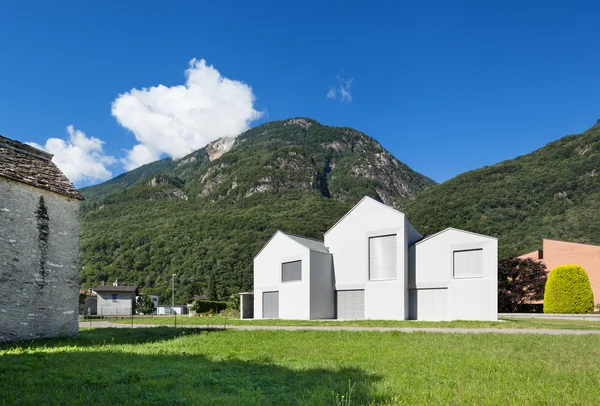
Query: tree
{"points": [[144, 305], [568, 290], [520, 281]]}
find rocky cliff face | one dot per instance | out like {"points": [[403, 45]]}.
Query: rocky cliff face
{"points": [[300, 155]]}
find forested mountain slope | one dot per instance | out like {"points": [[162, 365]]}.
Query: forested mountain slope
{"points": [[205, 216], [553, 192]]}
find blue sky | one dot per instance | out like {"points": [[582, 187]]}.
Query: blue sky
{"points": [[445, 86]]}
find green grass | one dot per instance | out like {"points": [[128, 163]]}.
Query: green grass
{"points": [[174, 366], [220, 321]]}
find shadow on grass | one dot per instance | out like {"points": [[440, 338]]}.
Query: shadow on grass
{"points": [[159, 371], [117, 336]]}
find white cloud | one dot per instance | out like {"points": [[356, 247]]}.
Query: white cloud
{"points": [[180, 119], [80, 158], [342, 88]]}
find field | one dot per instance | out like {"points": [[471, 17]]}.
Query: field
{"points": [[222, 321], [190, 366]]}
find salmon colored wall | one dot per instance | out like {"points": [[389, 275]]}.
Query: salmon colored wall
{"points": [[587, 256]]}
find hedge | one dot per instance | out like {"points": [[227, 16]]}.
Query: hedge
{"points": [[568, 290], [203, 306]]}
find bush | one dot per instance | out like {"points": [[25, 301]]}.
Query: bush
{"points": [[520, 282], [203, 306], [568, 290]]}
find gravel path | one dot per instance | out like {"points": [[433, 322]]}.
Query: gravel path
{"points": [[104, 324]]}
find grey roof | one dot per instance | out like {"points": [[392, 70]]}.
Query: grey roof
{"points": [[429, 237], [110, 288], [26, 164], [311, 244]]}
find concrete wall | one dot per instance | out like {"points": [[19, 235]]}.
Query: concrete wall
{"points": [[39, 286], [122, 307], [431, 268], [556, 253], [348, 241], [294, 297], [322, 295]]}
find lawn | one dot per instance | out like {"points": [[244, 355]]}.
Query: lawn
{"points": [[174, 366], [221, 321]]}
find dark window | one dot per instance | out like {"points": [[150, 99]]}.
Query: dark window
{"points": [[291, 271], [114, 297]]}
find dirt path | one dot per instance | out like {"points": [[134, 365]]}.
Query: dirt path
{"points": [[104, 324]]}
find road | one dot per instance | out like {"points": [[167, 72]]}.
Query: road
{"points": [[104, 324]]}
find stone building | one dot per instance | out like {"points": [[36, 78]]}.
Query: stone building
{"points": [[39, 242]]}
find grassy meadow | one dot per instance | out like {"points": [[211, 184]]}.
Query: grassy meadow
{"points": [[167, 366], [220, 321]]}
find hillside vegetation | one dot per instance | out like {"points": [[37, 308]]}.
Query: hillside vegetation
{"points": [[205, 216], [553, 192]]}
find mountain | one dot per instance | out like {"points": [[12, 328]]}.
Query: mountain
{"points": [[206, 215], [553, 192]]}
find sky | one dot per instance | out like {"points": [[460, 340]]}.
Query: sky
{"points": [[446, 87]]}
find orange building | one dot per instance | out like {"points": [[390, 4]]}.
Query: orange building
{"points": [[587, 256]]}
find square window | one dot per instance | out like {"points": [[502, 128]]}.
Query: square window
{"points": [[468, 264], [291, 271], [114, 297]]}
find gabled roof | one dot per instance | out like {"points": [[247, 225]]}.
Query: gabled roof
{"points": [[358, 204], [454, 229], [310, 243], [23, 163]]}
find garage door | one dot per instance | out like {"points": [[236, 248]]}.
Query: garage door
{"points": [[428, 304], [270, 305], [350, 304]]}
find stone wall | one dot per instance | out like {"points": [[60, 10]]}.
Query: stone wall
{"points": [[39, 244]]}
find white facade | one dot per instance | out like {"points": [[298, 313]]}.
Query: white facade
{"points": [[177, 309], [453, 275], [350, 243], [374, 264], [310, 296]]}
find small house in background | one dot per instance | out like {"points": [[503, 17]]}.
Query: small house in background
{"points": [[177, 309], [374, 264], [115, 300], [154, 299], [39, 245], [88, 302]]}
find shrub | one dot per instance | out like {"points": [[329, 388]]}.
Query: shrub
{"points": [[568, 290], [203, 306], [520, 282]]}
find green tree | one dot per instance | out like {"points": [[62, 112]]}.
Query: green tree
{"points": [[568, 290], [144, 305], [520, 281]]}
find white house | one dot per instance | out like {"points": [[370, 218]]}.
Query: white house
{"points": [[293, 279], [115, 300], [374, 264]]}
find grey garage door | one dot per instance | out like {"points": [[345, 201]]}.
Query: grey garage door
{"points": [[350, 304], [270, 305]]}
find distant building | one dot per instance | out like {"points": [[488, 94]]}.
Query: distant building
{"points": [[39, 239], [89, 304], [115, 300], [555, 253], [177, 309]]}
